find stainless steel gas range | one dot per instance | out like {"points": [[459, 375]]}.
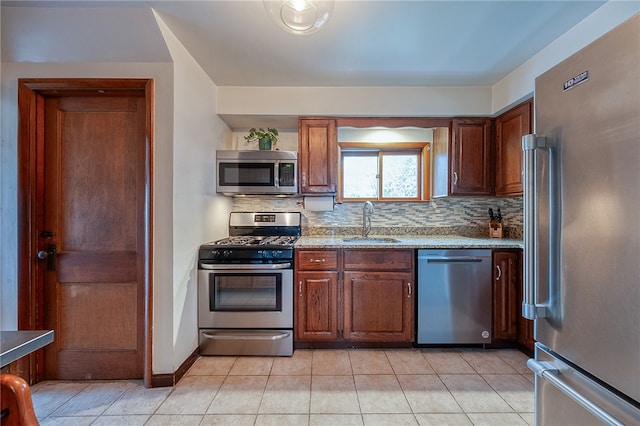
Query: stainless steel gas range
{"points": [[245, 286]]}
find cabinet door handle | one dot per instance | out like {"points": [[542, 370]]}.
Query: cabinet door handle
{"points": [[300, 288], [499, 273], [317, 260], [455, 178], [409, 289]]}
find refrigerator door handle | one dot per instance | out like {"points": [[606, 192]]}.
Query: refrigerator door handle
{"points": [[530, 308], [551, 373]]}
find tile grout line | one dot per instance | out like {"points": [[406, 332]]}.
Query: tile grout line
{"points": [[308, 412]]}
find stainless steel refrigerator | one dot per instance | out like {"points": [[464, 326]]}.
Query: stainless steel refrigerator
{"points": [[582, 234]]}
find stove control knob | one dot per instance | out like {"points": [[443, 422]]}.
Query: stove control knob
{"points": [[267, 254], [215, 253], [226, 253]]}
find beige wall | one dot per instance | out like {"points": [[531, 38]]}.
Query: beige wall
{"points": [[187, 132], [423, 101], [519, 84], [199, 214]]}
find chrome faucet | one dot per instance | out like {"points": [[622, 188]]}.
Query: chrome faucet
{"points": [[367, 212]]}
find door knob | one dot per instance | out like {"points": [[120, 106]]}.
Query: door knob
{"points": [[50, 255]]}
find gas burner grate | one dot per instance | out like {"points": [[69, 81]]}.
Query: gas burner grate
{"points": [[278, 240]]}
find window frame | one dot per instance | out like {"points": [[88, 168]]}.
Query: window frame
{"points": [[422, 150]]}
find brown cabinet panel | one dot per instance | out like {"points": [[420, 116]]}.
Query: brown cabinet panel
{"points": [[525, 333], [378, 260], [317, 260], [317, 306], [525, 326], [471, 159], [505, 315], [317, 159], [510, 127], [508, 323], [378, 306], [372, 302]]}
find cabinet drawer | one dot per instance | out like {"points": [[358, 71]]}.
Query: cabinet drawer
{"points": [[378, 260], [317, 260]]}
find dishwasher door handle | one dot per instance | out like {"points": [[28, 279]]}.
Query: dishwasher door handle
{"points": [[461, 259]]}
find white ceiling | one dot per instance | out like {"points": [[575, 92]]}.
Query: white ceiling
{"points": [[371, 43], [364, 43]]}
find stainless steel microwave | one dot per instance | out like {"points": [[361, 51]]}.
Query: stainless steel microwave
{"points": [[257, 172]]}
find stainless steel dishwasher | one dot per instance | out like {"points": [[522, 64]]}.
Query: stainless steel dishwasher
{"points": [[454, 296]]}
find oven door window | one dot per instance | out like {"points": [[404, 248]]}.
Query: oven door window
{"points": [[251, 292], [246, 174]]}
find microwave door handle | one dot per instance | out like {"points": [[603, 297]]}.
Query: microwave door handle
{"points": [[276, 174]]}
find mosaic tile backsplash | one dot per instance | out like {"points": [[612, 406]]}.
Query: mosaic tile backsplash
{"points": [[443, 216]]}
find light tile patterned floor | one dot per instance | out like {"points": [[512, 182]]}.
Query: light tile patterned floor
{"points": [[314, 387]]}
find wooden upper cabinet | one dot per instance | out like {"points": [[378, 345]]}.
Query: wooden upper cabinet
{"points": [[471, 160], [318, 156], [510, 127]]}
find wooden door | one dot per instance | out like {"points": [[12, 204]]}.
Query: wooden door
{"points": [[87, 232], [471, 157]]}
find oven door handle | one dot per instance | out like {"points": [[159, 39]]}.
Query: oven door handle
{"points": [[254, 266], [249, 335]]}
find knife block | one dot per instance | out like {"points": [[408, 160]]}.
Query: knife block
{"points": [[495, 229]]}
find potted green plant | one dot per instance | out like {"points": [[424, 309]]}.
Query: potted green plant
{"points": [[266, 138]]}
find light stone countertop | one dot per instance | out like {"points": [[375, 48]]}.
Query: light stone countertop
{"points": [[412, 242]]}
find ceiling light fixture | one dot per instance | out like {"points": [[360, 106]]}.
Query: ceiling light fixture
{"points": [[299, 16]]}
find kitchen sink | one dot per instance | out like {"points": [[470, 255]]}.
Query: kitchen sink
{"points": [[371, 240]]}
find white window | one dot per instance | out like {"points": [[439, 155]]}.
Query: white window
{"points": [[384, 171]]}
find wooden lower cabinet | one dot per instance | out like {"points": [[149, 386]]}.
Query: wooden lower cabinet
{"points": [[371, 302], [509, 326], [525, 333], [317, 295], [317, 305], [505, 295], [378, 306]]}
